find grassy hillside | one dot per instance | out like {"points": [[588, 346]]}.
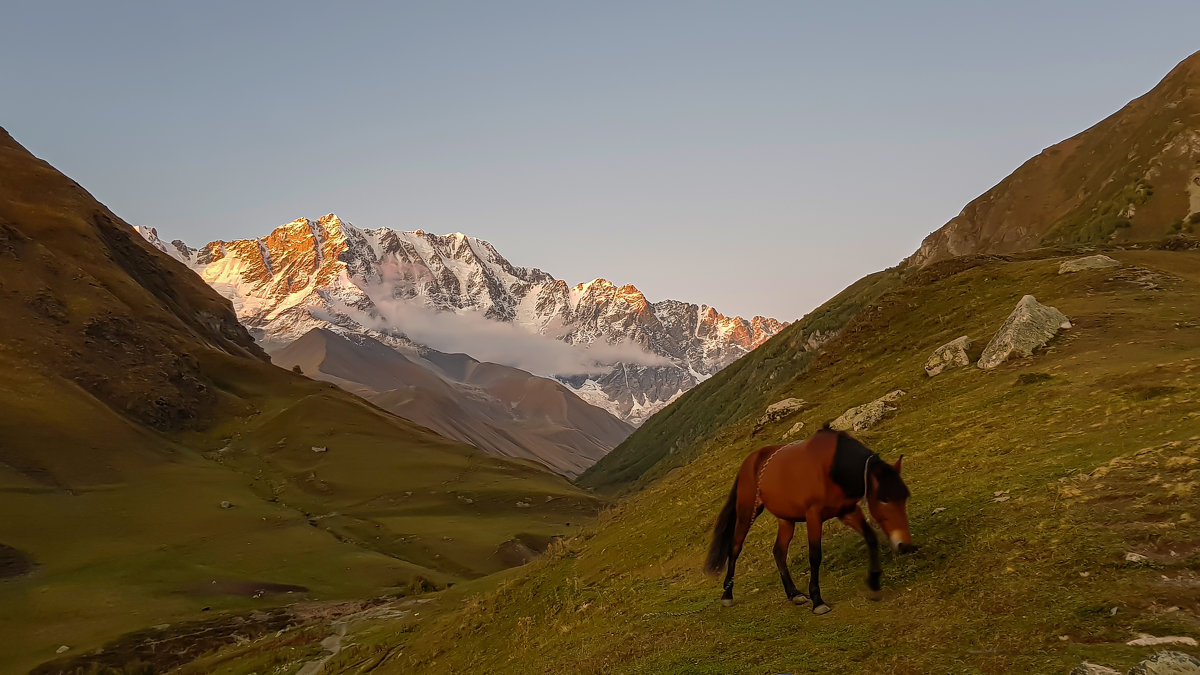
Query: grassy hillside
{"points": [[1030, 485], [155, 468], [673, 436], [1131, 177]]}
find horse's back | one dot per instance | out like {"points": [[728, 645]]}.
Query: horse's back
{"points": [[796, 477]]}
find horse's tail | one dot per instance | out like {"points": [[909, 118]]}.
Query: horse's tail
{"points": [[722, 542]]}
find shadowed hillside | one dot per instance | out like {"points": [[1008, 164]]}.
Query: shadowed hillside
{"points": [[154, 465], [500, 410]]}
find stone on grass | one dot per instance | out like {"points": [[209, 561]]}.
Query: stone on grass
{"points": [[1167, 663], [1030, 325], [320, 448], [950, 355], [1147, 640], [226, 505], [794, 430], [781, 409], [867, 415], [1086, 668], [1091, 262]]}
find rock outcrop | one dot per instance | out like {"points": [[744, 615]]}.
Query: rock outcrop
{"points": [[1167, 663], [1090, 262], [867, 415], [953, 354], [1031, 325], [782, 410]]}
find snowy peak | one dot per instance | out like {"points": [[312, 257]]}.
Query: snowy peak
{"points": [[327, 273]]}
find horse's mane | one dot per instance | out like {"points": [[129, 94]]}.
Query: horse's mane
{"points": [[891, 486]]}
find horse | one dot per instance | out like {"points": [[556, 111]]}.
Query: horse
{"points": [[824, 476]]}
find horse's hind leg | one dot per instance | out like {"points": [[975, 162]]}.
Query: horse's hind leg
{"points": [[856, 521], [745, 518], [782, 540]]}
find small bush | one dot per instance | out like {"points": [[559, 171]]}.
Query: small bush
{"points": [[1032, 378]]}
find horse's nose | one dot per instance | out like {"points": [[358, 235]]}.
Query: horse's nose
{"points": [[906, 548]]}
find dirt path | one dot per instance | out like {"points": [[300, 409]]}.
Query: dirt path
{"points": [[331, 644]]}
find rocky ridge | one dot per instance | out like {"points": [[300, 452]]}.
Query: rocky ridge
{"points": [[329, 274]]}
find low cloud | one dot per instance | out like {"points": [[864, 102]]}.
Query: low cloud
{"points": [[508, 344]]}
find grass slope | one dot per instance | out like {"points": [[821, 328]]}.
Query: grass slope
{"points": [[1093, 445]]}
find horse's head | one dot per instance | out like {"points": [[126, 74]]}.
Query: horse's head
{"points": [[888, 502]]}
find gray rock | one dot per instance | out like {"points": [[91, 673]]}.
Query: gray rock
{"points": [[781, 410], [1091, 262], [867, 415], [1087, 668], [320, 448], [794, 430], [1167, 663], [1030, 325], [953, 354], [226, 505]]}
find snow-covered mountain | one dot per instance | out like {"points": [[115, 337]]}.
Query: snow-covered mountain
{"points": [[412, 288]]}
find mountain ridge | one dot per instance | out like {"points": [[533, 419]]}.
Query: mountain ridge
{"points": [[307, 274], [1133, 176]]}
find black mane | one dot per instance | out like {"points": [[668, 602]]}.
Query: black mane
{"points": [[849, 460]]}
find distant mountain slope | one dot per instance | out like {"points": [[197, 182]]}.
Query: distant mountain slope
{"points": [[500, 410], [675, 435], [154, 464], [1133, 176], [312, 274]]}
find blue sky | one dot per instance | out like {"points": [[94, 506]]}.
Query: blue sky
{"points": [[756, 156]]}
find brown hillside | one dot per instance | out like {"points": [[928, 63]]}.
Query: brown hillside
{"points": [[1133, 176]]}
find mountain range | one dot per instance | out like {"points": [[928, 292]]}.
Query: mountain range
{"points": [[412, 290]]}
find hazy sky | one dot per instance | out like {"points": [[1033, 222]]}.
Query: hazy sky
{"points": [[757, 156]]}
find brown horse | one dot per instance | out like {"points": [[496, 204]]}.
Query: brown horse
{"points": [[822, 477]]}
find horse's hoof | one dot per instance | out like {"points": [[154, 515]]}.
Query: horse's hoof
{"points": [[800, 599], [727, 602], [874, 595], [821, 609]]}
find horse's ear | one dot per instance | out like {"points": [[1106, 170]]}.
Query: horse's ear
{"points": [[897, 464]]}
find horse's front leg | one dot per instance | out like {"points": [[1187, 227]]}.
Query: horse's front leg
{"points": [[813, 521], [782, 541], [857, 522]]}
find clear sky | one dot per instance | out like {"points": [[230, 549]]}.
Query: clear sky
{"points": [[757, 156]]}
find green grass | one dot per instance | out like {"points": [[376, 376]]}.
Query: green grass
{"points": [[1092, 468]]}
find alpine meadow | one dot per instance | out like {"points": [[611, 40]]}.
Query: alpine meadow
{"points": [[314, 446]]}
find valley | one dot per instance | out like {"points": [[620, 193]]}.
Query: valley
{"points": [[334, 449]]}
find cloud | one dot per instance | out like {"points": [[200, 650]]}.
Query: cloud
{"points": [[508, 344]]}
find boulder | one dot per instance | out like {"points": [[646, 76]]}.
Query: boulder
{"points": [[1030, 325], [950, 355], [794, 430], [320, 448], [1091, 262], [782, 409], [867, 415], [1167, 663]]}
